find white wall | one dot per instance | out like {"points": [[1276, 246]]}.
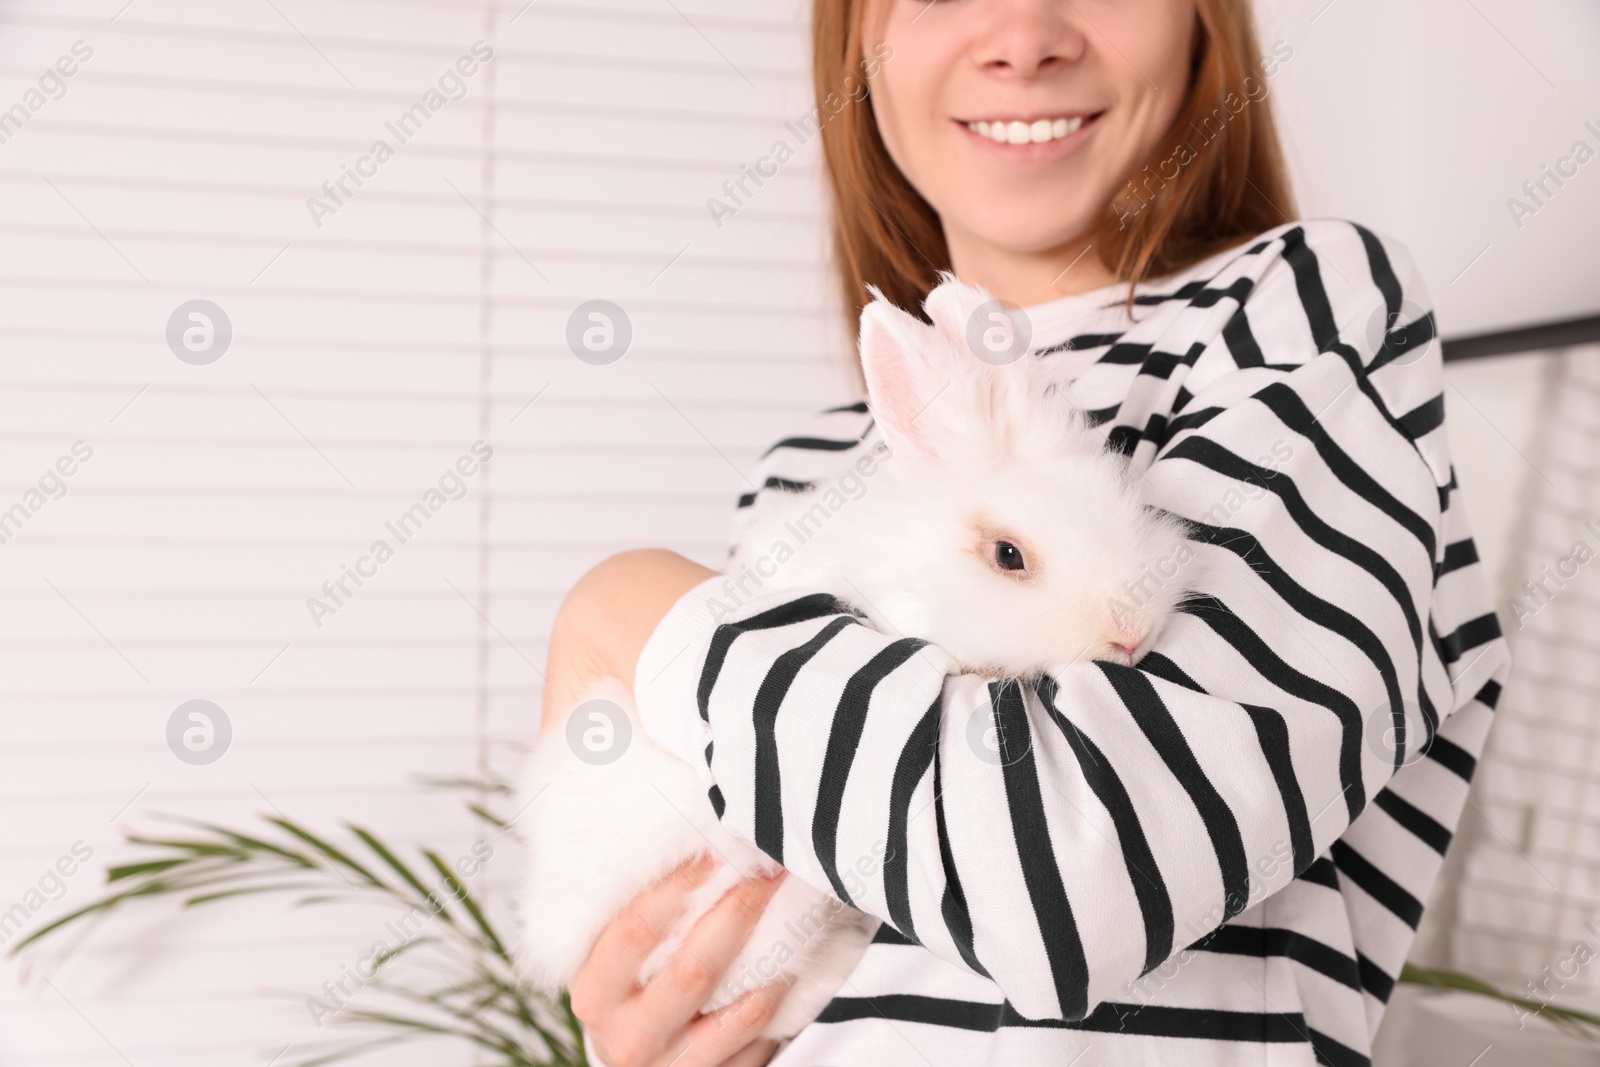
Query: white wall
{"points": [[1493, 408], [1422, 119]]}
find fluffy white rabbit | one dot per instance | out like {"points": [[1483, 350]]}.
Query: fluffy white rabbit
{"points": [[993, 524]]}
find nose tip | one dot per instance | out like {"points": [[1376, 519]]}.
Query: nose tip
{"points": [[1125, 650]]}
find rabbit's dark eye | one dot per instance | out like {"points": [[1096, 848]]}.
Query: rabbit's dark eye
{"points": [[1008, 557]]}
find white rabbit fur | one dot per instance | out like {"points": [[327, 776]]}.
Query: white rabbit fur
{"points": [[602, 834], [973, 453]]}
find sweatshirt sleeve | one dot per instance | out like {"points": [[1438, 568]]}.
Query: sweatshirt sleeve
{"points": [[1063, 838]]}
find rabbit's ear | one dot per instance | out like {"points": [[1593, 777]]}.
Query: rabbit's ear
{"points": [[1015, 403], [930, 391], [950, 307], [900, 381]]}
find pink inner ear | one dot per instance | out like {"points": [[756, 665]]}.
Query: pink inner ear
{"points": [[898, 394]]}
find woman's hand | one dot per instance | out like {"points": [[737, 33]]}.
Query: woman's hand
{"points": [[659, 1024], [599, 631]]}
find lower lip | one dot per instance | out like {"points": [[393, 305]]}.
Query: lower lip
{"points": [[1034, 153]]}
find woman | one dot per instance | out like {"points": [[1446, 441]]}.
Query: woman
{"points": [[1219, 855]]}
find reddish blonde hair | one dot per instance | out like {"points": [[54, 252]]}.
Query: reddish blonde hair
{"points": [[1232, 187]]}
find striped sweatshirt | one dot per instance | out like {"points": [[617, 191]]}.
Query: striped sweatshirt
{"points": [[1217, 856]]}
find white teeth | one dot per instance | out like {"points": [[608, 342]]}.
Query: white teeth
{"points": [[1036, 132]]}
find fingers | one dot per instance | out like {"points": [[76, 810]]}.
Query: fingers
{"points": [[755, 1054], [630, 1027], [693, 973], [729, 1038], [610, 974]]}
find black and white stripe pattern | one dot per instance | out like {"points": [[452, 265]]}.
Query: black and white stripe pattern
{"points": [[1220, 848]]}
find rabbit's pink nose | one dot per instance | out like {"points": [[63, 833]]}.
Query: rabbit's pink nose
{"points": [[1125, 649]]}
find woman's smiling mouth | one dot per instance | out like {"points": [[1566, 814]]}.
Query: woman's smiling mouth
{"points": [[1041, 137], [1017, 131]]}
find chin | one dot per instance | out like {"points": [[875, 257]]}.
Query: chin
{"points": [[1029, 225]]}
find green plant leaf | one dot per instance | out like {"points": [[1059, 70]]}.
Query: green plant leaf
{"points": [[1578, 1024], [326, 849], [459, 983], [464, 895], [428, 897], [130, 870]]}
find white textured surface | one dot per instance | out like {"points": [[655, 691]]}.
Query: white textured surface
{"points": [[1531, 886]]}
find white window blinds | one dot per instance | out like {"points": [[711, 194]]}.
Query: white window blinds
{"points": [[217, 537]]}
